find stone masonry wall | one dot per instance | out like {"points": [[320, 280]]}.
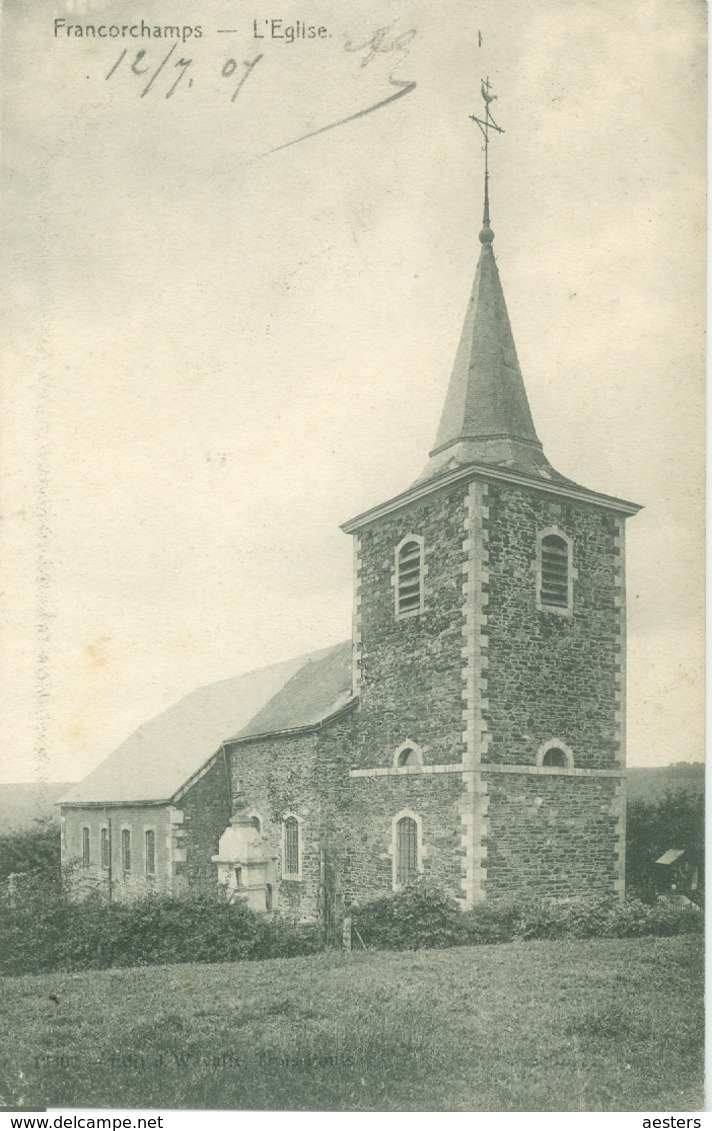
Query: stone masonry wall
{"points": [[375, 801], [410, 673], [305, 775], [411, 668], [552, 835], [552, 676], [205, 807], [485, 676]]}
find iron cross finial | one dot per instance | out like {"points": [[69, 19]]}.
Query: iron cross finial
{"points": [[486, 124]]}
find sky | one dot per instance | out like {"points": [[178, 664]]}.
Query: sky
{"points": [[223, 345]]}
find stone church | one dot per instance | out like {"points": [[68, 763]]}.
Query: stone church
{"points": [[472, 731]]}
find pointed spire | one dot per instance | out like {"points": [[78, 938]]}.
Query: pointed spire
{"points": [[486, 417]]}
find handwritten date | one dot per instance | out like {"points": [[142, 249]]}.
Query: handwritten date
{"points": [[139, 65], [171, 72]]}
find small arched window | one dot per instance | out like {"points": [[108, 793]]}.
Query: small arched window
{"points": [[409, 576], [407, 851], [291, 845], [256, 822], [408, 757], [86, 848], [104, 848], [407, 754], [554, 757]]}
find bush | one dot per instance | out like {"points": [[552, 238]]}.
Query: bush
{"points": [[41, 930], [677, 820], [634, 919], [423, 917], [578, 919], [416, 917], [92, 934], [34, 851], [493, 922]]}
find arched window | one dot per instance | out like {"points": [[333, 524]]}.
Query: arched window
{"points": [[407, 754], [126, 850], [555, 572], [104, 847], [409, 576], [556, 755], [291, 848], [256, 822], [407, 850], [86, 848], [150, 853]]}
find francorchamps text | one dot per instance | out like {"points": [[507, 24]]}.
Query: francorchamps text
{"points": [[126, 31]]}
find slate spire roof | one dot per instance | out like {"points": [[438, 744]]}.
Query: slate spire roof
{"points": [[486, 417]]}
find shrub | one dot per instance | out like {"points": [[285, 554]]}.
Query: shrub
{"points": [[40, 930], [566, 919], [422, 917], [33, 923], [674, 821], [493, 922], [416, 917], [634, 919], [286, 939], [577, 919], [34, 851], [92, 934]]}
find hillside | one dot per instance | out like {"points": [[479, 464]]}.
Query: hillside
{"points": [[651, 783], [21, 805]]}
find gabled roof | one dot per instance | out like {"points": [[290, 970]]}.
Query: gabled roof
{"points": [[320, 689], [164, 753]]}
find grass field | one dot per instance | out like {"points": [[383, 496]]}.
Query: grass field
{"points": [[604, 1024]]}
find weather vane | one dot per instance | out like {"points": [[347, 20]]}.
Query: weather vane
{"points": [[486, 124]]}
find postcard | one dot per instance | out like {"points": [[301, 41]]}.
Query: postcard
{"points": [[352, 482]]}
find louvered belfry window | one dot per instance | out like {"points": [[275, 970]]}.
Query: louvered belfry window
{"points": [[406, 850], [291, 847], [554, 585], [409, 578]]}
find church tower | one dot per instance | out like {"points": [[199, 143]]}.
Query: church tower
{"points": [[489, 649]]}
